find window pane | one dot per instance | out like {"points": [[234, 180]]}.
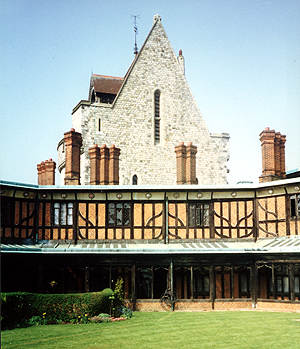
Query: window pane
{"points": [[111, 214], [70, 213], [119, 214], [297, 284], [63, 214], [56, 213], [285, 284]]}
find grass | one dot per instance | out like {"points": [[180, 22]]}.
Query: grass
{"points": [[184, 330]]}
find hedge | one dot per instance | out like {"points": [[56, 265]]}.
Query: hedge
{"points": [[19, 307]]}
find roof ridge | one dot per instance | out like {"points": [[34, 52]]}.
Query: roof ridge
{"points": [[108, 76]]}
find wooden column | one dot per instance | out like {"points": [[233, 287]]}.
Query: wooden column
{"points": [[212, 286], [292, 281], [109, 277], [273, 282], [253, 278], [192, 282], [133, 290], [232, 282], [152, 282], [171, 270], [211, 221], [87, 279]]}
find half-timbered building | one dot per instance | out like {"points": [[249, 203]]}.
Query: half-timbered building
{"points": [[205, 247]]}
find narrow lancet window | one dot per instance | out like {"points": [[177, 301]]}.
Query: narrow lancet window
{"points": [[157, 117], [99, 125], [134, 180]]}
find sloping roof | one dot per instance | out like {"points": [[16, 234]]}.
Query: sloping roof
{"points": [[123, 247], [106, 84]]}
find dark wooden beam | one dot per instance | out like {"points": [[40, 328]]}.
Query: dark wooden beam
{"points": [[292, 281], [86, 279], [212, 286], [192, 282], [253, 283]]}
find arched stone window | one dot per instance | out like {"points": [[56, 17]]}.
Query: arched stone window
{"points": [[134, 180], [156, 117]]}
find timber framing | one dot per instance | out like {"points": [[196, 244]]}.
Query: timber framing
{"points": [[203, 247]]}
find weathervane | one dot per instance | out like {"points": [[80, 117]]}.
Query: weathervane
{"points": [[135, 34]]}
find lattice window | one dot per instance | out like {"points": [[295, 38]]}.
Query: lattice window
{"points": [[119, 214], [157, 117], [63, 213], [198, 214], [295, 206]]}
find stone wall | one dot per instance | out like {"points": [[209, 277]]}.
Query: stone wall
{"points": [[129, 121]]}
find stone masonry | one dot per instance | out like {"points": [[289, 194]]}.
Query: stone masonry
{"points": [[129, 121]]}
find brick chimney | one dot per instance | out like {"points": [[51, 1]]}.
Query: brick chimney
{"points": [[104, 158], [39, 170], [191, 151], [73, 143], [43, 173], [94, 153], [113, 168], [273, 155], [180, 151], [50, 166]]}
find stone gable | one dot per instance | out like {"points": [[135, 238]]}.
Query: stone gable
{"points": [[129, 121]]}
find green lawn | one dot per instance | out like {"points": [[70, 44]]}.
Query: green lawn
{"points": [[167, 330]]}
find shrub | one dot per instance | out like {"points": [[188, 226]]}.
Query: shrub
{"points": [[20, 307]]}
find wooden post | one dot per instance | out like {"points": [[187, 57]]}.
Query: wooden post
{"points": [[192, 282], [172, 284], [254, 284], [152, 282], [212, 286], [133, 290], [109, 277], [166, 237], [211, 221], [292, 281], [255, 219], [87, 279], [273, 282], [232, 282]]}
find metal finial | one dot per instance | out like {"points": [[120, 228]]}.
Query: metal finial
{"points": [[135, 34]]}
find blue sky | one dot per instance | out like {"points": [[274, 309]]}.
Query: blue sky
{"points": [[242, 63]]}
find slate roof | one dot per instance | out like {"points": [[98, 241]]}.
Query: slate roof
{"points": [[114, 247]]}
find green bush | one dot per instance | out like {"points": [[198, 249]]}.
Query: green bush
{"points": [[20, 307]]}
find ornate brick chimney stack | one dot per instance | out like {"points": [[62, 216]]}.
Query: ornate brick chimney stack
{"points": [[73, 143], [273, 155], [94, 153], [186, 163], [104, 158], [113, 169], [180, 151], [46, 172], [191, 151], [50, 166], [39, 170]]}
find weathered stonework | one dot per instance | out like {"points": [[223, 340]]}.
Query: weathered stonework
{"points": [[129, 121]]}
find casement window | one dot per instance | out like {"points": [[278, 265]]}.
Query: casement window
{"points": [[119, 214], [198, 214], [63, 213], [156, 117], [295, 206]]}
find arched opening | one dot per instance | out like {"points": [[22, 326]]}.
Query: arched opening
{"points": [[156, 117], [134, 180]]}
